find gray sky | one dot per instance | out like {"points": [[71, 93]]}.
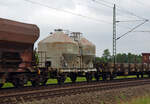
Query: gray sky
{"points": [[97, 27]]}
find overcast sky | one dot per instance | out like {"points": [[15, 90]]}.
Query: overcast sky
{"points": [[95, 20]]}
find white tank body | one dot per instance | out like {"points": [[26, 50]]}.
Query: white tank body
{"points": [[87, 50], [88, 53]]}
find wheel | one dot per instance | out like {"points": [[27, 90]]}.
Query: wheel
{"points": [[35, 83], [142, 76], [73, 77], [44, 81], [104, 76], [88, 77], [61, 79], [111, 77], [96, 76], [1, 85], [44, 77], [35, 79], [18, 83], [19, 80], [138, 76]]}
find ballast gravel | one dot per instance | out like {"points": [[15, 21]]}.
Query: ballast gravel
{"points": [[114, 96]]}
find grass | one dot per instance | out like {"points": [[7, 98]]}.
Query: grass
{"points": [[7, 85], [140, 100], [132, 76]]}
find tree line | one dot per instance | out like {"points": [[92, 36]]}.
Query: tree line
{"points": [[120, 57]]}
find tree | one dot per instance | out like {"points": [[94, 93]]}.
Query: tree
{"points": [[106, 55], [121, 57], [128, 58]]}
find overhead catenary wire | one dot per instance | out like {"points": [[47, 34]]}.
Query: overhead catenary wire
{"points": [[66, 11], [103, 4], [129, 21], [141, 19], [141, 3], [132, 29], [125, 27], [89, 6], [106, 2], [91, 18], [120, 9], [76, 14], [143, 31], [128, 12], [110, 5]]}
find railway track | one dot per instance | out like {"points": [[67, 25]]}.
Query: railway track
{"points": [[29, 93]]}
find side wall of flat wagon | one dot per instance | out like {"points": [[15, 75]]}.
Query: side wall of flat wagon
{"points": [[125, 68], [146, 58]]}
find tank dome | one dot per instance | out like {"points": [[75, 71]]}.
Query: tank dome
{"points": [[60, 49], [88, 48]]}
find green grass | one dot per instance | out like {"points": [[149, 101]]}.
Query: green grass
{"points": [[80, 79], [28, 84], [11, 85], [7, 85], [141, 100], [51, 81], [132, 76]]}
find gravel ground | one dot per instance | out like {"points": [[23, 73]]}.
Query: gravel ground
{"points": [[114, 96]]}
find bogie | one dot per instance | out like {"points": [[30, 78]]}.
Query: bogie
{"points": [[89, 77], [61, 78], [73, 77]]}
